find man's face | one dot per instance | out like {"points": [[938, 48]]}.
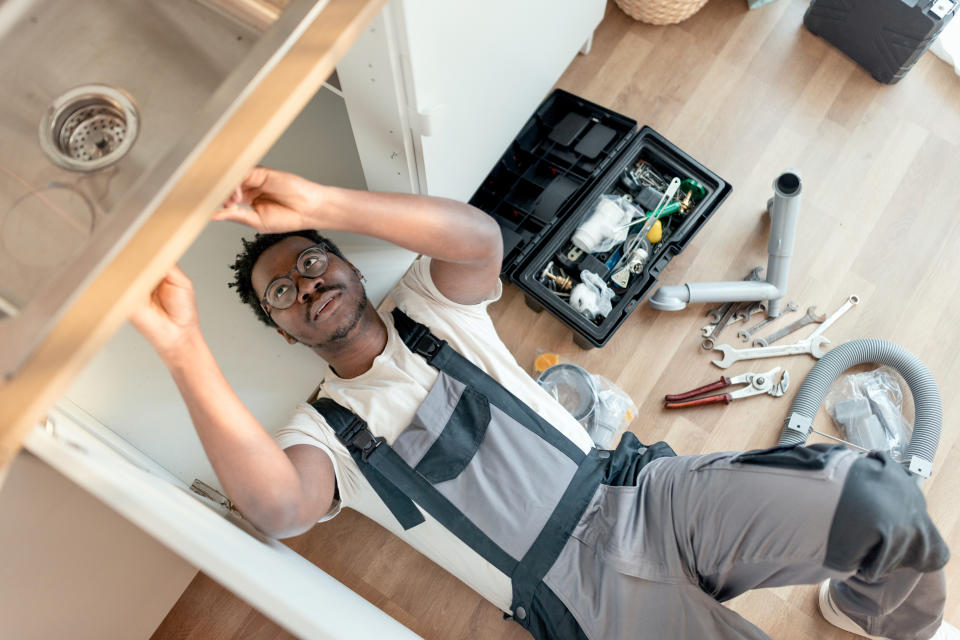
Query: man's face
{"points": [[328, 308]]}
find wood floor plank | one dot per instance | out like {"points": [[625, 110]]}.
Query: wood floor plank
{"points": [[748, 93]]}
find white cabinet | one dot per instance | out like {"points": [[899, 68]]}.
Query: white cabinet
{"points": [[433, 92]]}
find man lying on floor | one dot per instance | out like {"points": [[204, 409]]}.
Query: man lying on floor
{"points": [[426, 423]]}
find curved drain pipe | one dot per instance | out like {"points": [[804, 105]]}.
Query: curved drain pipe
{"points": [[926, 397], [784, 209]]}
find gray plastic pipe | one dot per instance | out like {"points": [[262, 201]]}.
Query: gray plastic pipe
{"points": [[926, 396], [784, 210]]}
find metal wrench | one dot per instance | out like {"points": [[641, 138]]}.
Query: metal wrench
{"points": [[744, 334], [708, 342], [811, 344], [852, 300], [746, 314], [811, 316]]}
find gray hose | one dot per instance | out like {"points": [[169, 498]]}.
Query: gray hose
{"points": [[926, 396]]}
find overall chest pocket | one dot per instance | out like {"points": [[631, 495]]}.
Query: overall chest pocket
{"points": [[500, 474]]}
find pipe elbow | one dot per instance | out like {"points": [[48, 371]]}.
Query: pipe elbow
{"points": [[670, 298]]}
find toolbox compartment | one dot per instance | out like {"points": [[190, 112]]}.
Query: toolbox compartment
{"points": [[568, 155]]}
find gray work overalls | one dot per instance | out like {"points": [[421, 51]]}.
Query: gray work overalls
{"points": [[492, 471]]}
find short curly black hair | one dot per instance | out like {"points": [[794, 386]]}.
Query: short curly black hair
{"points": [[252, 250]]}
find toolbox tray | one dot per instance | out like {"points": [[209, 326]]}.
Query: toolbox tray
{"points": [[537, 217]]}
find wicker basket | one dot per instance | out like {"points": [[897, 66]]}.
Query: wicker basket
{"points": [[660, 11]]}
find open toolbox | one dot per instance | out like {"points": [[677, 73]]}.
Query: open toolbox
{"points": [[576, 168]]}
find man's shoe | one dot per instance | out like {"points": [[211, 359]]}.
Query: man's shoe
{"points": [[839, 619]]}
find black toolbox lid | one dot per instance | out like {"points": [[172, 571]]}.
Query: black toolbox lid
{"points": [[551, 164]]}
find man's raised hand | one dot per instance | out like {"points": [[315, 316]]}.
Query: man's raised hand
{"points": [[271, 201], [168, 317]]}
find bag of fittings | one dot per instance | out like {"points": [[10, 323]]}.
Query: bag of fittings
{"points": [[867, 409]]}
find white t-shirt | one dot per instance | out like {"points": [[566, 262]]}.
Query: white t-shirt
{"points": [[388, 395]]}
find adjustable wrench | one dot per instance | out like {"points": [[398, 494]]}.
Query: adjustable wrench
{"points": [[811, 316], [811, 344], [852, 300], [744, 334]]}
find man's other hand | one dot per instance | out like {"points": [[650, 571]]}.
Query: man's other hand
{"points": [[271, 201], [168, 317]]}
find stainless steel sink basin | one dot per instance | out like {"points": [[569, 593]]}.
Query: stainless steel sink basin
{"points": [[104, 100]]}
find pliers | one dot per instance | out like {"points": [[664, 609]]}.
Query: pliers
{"points": [[757, 383]]}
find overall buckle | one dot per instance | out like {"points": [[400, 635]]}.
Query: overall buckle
{"points": [[366, 442], [427, 345]]}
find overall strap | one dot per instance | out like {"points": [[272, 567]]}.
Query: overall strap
{"points": [[393, 480], [352, 431], [442, 356]]}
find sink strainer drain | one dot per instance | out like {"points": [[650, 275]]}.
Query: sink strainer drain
{"points": [[89, 128]]}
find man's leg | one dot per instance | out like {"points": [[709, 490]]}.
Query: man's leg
{"points": [[795, 516]]}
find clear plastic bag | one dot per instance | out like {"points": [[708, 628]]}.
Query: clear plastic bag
{"points": [[867, 409], [600, 406], [606, 226], [592, 297]]}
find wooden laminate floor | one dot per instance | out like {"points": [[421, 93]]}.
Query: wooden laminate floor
{"points": [[748, 94]]}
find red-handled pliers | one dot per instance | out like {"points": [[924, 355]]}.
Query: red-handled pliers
{"points": [[757, 383]]}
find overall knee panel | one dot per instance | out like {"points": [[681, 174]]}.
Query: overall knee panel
{"points": [[881, 522]]}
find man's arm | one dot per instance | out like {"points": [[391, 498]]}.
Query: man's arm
{"points": [[281, 493], [464, 243]]}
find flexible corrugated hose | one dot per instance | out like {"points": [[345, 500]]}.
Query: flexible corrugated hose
{"points": [[926, 396]]}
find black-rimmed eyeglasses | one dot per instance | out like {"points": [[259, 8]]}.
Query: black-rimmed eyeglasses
{"points": [[281, 293]]}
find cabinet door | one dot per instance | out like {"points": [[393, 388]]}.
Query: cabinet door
{"points": [[475, 71], [268, 575]]}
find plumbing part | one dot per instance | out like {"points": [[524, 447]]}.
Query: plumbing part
{"points": [[708, 342], [717, 312], [926, 397], [564, 283], [784, 209], [89, 127], [592, 297], [852, 300], [744, 334], [745, 314], [633, 263], [808, 318], [757, 383], [811, 344], [605, 227]]}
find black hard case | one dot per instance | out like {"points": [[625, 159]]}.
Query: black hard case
{"points": [[886, 37], [549, 180]]}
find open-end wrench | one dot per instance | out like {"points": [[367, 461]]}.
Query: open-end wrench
{"points": [[708, 342], [744, 334], [811, 344], [746, 314], [811, 316], [852, 300]]}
